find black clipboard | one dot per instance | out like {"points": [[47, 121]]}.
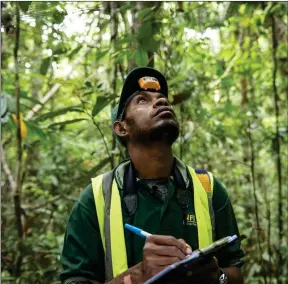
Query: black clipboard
{"points": [[177, 272]]}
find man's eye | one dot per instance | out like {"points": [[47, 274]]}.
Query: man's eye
{"points": [[141, 100]]}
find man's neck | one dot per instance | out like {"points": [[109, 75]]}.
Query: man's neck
{"points": [[153, 161]]}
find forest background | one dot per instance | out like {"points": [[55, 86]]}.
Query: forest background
{"points": [[63, 66]]}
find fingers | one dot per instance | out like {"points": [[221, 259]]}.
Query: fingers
{"points": [[162, 261], [127, 279], [172, 251], [132, 279], [170, 241], [188, 248], [162, 251]]}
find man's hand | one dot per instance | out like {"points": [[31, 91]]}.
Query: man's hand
{"points": [[208, 272], [161, 251]]}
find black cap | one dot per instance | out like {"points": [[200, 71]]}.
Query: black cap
{"points": [[131, 85]]}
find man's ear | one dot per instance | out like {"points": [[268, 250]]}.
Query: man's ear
{"points": [[120, 129]]}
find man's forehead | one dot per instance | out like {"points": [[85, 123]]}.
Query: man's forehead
{"points": [[148, 93]]}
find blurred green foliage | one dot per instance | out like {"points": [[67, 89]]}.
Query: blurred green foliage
{"points": [[226, 65]]}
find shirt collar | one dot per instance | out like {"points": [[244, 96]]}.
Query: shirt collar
{"points": [[120, 170]]}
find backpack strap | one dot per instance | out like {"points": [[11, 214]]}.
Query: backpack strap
{"points": [[206, 179]]}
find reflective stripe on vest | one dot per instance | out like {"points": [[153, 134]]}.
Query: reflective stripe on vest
{"points": [[202, 211], [109, 213]]}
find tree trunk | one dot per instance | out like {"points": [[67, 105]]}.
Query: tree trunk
{"points": [[114, 34], [17, 193], [277, 145], [140, 6]]}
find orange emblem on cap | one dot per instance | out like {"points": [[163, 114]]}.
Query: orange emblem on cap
{"points": [[146, 83]]}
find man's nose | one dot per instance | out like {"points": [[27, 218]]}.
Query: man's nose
{"points": [[161, 102]]}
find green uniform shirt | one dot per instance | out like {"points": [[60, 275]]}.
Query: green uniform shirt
{"points": [[83, 254]]}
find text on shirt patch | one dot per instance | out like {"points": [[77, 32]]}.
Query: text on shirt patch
{"points": [[191, 220]]}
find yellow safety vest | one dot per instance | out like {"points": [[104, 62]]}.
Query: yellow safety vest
{"points": [[109, 213]]}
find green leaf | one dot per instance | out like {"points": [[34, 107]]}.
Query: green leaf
{"points": [[88, 84], [24, 5], [124, 6], [25, 96], [101, 54], [233, 9], [145, 13], [63, 123], [141, 58], [149, 44], [58, 17], [101, 102], [125, 39], [35, 130], [60, 49], [145, 31], [58, 112], [45, 65], [97, 168], [74, 52]]}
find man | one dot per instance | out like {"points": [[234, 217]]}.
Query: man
{"points": [[154, 191]]}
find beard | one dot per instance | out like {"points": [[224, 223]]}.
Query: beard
{"points": [[164, 131]]}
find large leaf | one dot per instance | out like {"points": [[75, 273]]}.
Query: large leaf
{"points": [[149, 44], [88, 84], [141, 58], [101, 102], [45, 65], [59, 17], [24, 5], [145, 31], [145, 13], [35, 131], [64, 123], [25, 95], [57, 112]]}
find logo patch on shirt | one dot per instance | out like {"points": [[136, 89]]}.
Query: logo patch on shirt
{"points": [[191, 220]]}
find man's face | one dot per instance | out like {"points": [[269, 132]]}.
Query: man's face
{"points": [[149, 118]]}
